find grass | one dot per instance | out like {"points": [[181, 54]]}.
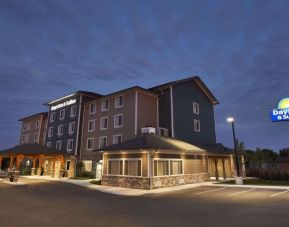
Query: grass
{"points": [[98, 182], [80, 178], [254, 181]]}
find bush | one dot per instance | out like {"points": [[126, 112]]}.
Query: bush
{"points": [[97, 182]]}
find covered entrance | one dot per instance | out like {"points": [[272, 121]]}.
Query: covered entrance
{"points": [[36, 159]]}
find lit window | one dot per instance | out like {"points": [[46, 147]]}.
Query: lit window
{"points": [[105, 105], [58, 145], [132, 167], [60, 130], [92, 108], [73, 111], [115, 167], [176, 167], [52, 117], [71, 127], [50, 132], [197, 125], [91, 125], [119, 102], [69, 145], [118, 120], [49, 144], [62, 114], [90, 142], [102, 142], [116, 139], [103, 123], [167, 167], [87, 165], [196, 109]]}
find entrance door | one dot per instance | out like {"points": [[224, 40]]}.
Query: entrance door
{"points": [[98, 170]]}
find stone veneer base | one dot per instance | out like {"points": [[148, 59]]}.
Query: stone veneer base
{"points": [[157, 182]]}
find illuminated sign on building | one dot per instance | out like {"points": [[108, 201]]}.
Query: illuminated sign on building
{"points": [[67, 103], [282, 112]]}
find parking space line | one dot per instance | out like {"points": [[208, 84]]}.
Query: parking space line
{"points": [[279, 193], [209, 191], [238, 193]]}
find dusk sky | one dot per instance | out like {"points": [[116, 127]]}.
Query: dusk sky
{"points": [[239, 48]]}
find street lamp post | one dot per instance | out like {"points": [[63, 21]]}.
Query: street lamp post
{"points": [[240, 181]]}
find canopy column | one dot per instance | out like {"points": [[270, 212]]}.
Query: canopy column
{"points": [[224, 169], [1, 159], [216, 168]]}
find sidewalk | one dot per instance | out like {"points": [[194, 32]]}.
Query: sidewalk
{"points": [[120, 190]]}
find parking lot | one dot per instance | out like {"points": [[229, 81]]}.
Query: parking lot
{"points": [[46, 203]]}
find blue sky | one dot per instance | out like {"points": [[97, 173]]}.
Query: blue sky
{"points": [[239, 48]]}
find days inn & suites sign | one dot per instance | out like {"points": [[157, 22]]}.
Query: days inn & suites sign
{"points": [[282, 112]]}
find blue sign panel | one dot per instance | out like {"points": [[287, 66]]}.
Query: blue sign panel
{"points": [[280, 114]]}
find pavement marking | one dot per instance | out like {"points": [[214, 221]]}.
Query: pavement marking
{"points": [[209, 191], [238, 193], [276, 194]]}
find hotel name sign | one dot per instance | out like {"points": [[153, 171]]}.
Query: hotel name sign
{"points": [[282, 112], [66, 103]]}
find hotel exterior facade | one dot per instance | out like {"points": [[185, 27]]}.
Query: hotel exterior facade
{"points": [[96, 130]]}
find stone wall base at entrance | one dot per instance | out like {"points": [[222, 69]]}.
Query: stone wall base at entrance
{"points": [[157, 182]]}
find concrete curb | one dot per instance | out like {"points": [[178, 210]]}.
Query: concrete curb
{"points": [[250, 186], [13, 183]]}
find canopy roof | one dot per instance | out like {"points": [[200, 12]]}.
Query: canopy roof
{"points": [[152, 141], [32, 149]]}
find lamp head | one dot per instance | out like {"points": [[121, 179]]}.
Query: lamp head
{"points": [[230, 119]]}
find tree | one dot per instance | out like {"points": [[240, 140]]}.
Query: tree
{"points": [[284, 152]]}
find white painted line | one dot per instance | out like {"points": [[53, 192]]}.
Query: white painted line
{"points": [[238, 193], [279, 193], [213, 190]]}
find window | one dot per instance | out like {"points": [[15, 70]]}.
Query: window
{"points": [[49, 144], [26, 126], [197, 125], [58, 145], [23, 137], [87, 165], [71, 127], [119, 102], [27, 138], [50, 132], [37, 124], [69, 145], [62, 114], [73, 111], [132, 167], [103, 123], [176, 167], [167, 167], [90, 142], [127, 167], [116, 139], [91, 125], [52, 116], [36, 136], [92, 108], [102, 142], [115, 167], [60, 130], [118, 120], [196, 109], [105, 105], [67, 164]]}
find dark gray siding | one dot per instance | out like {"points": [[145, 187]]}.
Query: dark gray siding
{"points": [[184, 95], [165, 109], [67, 119]]}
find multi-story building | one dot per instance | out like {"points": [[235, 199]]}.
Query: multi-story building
{"points": [[114, 118], [33, 129], [65, 121], [186, 108]]}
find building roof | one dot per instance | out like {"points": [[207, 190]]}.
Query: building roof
{"points": [[87, 93], [215, 149], [152, 141], [30, 149], [197, 80], [282, 159], [34, 115], [125, 91]]}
